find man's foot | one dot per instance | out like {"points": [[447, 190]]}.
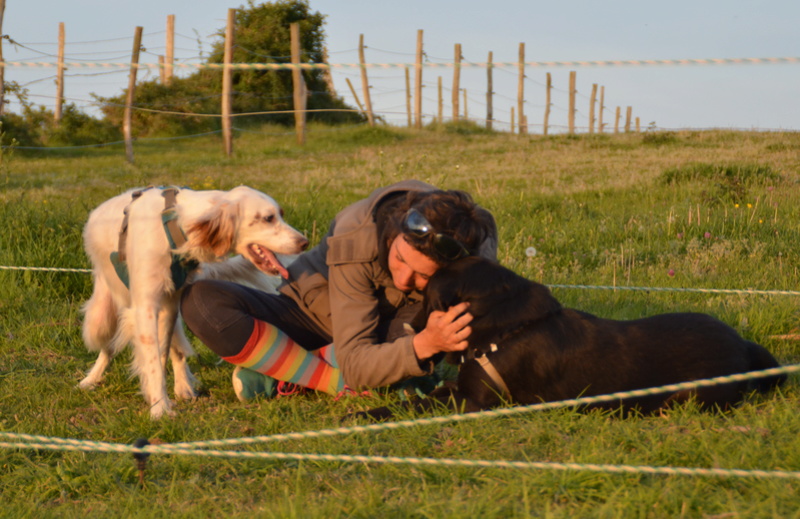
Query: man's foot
{"points": [[249, 384]]}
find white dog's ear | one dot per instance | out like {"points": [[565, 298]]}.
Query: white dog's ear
{"points": [[215, 230]]}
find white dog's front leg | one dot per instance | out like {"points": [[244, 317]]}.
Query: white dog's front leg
{"points": [[185, 381], [171, 329], [147, 361], [95, 374]]}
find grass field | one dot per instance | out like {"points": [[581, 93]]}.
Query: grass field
{"points": [[671, 210]]}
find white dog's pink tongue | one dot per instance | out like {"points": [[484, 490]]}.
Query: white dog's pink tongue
{"points": [[265, 260]]}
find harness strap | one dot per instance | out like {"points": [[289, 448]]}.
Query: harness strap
{"points": [[122, 256], [179, 267], [169, 217], [490, 370]]}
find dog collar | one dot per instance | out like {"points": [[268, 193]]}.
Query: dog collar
{"points": [[488, 367]]}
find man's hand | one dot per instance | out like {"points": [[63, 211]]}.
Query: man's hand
{"points": [[444, 332]]}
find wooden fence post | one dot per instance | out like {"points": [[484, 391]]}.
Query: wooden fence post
{"points": [[2, 60], [353, 91], [227, 80], [60, 75], [628, 114], [489, 93], [169, 60], [638, 128], [441, 102], [456, 82], [547, 103], [616, 121], [571, 116], [592, 102], [162, 72], [466, 110], [299, 86], [600, 125], [128, 114], [418, 87], [513, 127], [521, 89], [365, 81], [408, 96]]}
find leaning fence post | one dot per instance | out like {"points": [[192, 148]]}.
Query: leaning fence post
{"points": [[521, 89], [299, 86], [418, 86], [227, 80], [456, 81], [365, 81], [128, 114]]}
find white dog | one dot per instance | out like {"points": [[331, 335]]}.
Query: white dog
{"points": [[150, 240]]}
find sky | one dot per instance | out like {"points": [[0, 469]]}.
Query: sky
{"points": [[740, 96]]}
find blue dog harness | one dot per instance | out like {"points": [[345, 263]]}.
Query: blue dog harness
{"points": [[180, 267]]}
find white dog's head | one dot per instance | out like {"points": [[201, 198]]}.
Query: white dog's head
{"points": [[247, 222]]}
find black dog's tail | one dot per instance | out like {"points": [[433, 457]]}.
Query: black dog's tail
{"points": [[760, 359]]}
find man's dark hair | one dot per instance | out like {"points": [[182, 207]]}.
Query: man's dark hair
{"points": [[452, 213]]}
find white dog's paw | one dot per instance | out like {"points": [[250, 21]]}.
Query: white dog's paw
{"points": [[185, 385], [88, 383], [161, 408], [185, 392]]}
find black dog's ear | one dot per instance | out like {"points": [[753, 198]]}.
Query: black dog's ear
{"points": [[494, 292]]}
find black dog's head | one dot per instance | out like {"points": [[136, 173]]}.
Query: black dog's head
{"points": [[500, 300]]}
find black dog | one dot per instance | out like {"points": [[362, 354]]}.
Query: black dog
{"points": [[525, 348]]}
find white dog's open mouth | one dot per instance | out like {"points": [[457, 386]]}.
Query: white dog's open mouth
{"points": [[265, 260]]}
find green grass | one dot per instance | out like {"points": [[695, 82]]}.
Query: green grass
{"points": [[680, 209]]}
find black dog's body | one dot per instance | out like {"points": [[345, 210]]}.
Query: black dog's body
{"points": [[548, 353]]}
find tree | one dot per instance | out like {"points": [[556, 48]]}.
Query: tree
{"points": [[261, 36]]}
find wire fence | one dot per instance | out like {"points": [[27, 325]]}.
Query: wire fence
{"points": [[24, 441], [386, 82]]}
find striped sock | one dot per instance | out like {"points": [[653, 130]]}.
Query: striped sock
{"points": [[328, 354], [273, 353]]}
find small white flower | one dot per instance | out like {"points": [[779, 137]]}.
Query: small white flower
{"points": [[530, 252]]}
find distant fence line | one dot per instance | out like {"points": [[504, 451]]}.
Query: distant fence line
{"points": [[519, 120], [322, 66]]}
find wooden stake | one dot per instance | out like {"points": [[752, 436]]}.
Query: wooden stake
{"points": [[521, 89], [513, 127], [592, 102], [169, 59], [600, 125], [128, 114], [456, 81], [466, 111], [547, 103], [418, 87], [628, 114], [571, 116], [60, 75], [489, 93], [441, 102], [408, 96], [299, 86], [353, 91], [227, 81], [2, 60], [365, 81], [616, 121]]}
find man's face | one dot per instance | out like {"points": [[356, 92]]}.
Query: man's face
{"points": [[410, 268]]}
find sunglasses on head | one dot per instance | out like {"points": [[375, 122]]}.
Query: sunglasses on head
{"points": [[447, 247]]}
